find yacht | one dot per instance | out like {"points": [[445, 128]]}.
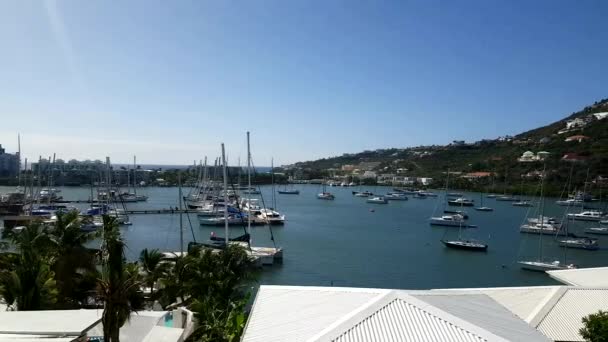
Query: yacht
{"points": [[447, 220], [545, 229], [597, 230], [462, 213], [571, 202], [590, 215], [233, 219], [466, 244], [542, 266], [580, 243], [362, 193], [289, 192], [461, 202], [395, 196], [491, 196], [483, 209], [544, 219], [522, 204], [507, 198], [419, 195], [271, 216], [326, 196], [377, 200], [454, 194]]}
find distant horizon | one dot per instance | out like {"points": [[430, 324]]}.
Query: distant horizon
{"points": [[170, 81]]}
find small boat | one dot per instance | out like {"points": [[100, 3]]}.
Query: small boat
{"points": [[219, 220], [391, 196], [571, 202], [448, 220], [461, 202], [597, 230], [326, 196], [362, 193], [587, 216], [454, 194], [483, 209], [289, 192], [580, 243], [506, 198], [462, 213], [377, 200], [545, 229], [491, 196], [541, 266], [429, 194], [466, 244], [523, 203], [419, 195]]}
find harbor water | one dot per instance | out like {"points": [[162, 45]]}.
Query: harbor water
{"points": [[349, 242]]}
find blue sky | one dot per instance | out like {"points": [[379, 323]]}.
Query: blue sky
{"points": [[170, 80]]}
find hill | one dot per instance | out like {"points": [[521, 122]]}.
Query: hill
{"points": [[500, 163]]}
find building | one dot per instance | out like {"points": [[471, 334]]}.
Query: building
{"points": [[477, 175], [600, 116], [348, 168], [9, 163], [529, 156], [577, 138], [576, 123], [531, 313], [369, 174]]}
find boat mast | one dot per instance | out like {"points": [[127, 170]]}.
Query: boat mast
{"points": [[19, 162], [274, 198], [248, 187], [542, 211], [225, 195], [134, 178], [39, 188], [181, 226]]}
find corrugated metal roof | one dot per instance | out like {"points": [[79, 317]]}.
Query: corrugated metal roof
{"points": [[588, 277], [403, 321], [163, 334], [563, 321], [485, 313], [49, 322], [295, 313], [525, 302]]}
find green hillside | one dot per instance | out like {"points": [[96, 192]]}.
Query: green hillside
{"points": [[498, 156]]}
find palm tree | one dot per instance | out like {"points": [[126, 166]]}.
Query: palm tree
{"points": [[151, 264], [29, 283], [74, 264], [119, 286]]}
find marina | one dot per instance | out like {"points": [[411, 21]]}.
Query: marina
{"points": [[323, 240]]}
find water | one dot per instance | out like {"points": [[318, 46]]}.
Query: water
{"points": [[343, 243]]}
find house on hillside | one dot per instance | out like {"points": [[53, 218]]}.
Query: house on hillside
{"points": [[425, 180], [600, 116], [574, 158], [576, 123], [545, 140], [476, 175], [368, 166], [578, 138], [347, 167], [529, 156], [369, 174]]}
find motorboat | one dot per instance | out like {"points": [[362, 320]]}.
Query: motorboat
{"points": [[542, 266], [289, 192], [483, 209], [491, 196], [571, 202], [544, 219], [419, 195], [461, 202], [233, 219], [362, 193], [523, 204], [590, 215], [395, 196], [377, 200], [428, 193], [506, 198], [454, 194], [471, 245], [271, 216], [448, 220], [326, 196], [580, 243], [462, 213], [597, 230], [545, 229]]}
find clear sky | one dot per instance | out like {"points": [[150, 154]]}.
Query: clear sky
{"points": [[170, 80]]}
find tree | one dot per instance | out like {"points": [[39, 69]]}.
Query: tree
{"points": [[28, 284], [74, 264], [595, 327], [151, 264], [119, 286]]}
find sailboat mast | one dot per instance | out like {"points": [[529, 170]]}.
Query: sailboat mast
{"points": [[19, 162], [248, 185], [181, 223], [542, 211], [225, 195], [134, 175], [274, 198]]}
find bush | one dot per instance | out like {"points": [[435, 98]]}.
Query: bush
{"points": [[596, 327]]}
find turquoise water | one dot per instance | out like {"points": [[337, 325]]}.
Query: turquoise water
{"points": [[343, 243]]}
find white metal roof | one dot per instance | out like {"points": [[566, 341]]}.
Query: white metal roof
{"points": [[589, 277], [48, 322], [296, 313], [564, 319], [35, 338], [284, 313]]}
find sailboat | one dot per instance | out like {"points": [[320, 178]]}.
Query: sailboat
{"points": [[481, 207], [325, 195], [539, 265], [290, 191]]}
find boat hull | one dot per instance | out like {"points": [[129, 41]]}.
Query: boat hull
{"points": [[538, 266], [597, 230], [476, 247]]}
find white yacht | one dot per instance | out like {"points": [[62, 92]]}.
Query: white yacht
{"points": [[448, 220], [377, 200], [326, 196], [545, 229], [580, 243], [542, 266], [590, 215], [571, 202], [395, 196], [271, 216], [597, 230]]}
